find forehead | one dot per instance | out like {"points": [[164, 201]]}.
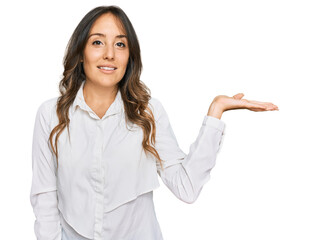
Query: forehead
{"points": [[107, 23]]}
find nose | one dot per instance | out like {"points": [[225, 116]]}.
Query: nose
{"points": [[108, 52]]}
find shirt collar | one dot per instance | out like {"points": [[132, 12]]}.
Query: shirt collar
{"points": [[79, 101]]}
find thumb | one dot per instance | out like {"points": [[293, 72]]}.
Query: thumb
{"points": [[238, 96]]}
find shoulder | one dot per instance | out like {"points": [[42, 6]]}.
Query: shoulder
{"points": [[46, 108], [153, 101], [155, 104], [47, 105], [157, 108]]}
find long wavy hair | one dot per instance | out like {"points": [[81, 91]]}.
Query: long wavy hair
{"points": [[134, 92]]}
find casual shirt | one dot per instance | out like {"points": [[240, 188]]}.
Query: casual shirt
{"points": [[103, 188]]}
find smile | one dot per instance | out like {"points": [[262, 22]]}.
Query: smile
{"points": [[107, 70]]}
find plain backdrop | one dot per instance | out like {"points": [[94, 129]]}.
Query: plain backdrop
{"points": [[192, 51]]}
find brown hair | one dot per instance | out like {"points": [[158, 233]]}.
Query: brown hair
{"points": [[134, 92]]}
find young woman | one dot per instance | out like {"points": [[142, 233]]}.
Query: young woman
{"points": [[99, 147]]}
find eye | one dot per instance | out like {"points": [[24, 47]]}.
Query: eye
{"points": [[123, 45], [94, 43]]}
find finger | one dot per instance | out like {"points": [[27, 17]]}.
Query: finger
{"points": [[257, 106], [250, 105], [268, 104], [262, 107]]}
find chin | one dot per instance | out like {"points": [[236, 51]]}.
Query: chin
{"points": [[108, 84]]}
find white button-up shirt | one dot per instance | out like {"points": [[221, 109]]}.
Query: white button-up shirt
{"points": [[103, 189]]}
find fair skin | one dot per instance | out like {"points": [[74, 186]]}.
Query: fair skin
{"points": [[107, 45], [222, 103]]}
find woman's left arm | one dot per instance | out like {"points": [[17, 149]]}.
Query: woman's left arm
{"points": [[185, 174]]}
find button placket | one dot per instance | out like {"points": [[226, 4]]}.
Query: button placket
{"points": [[102, 145], [100, 179]]}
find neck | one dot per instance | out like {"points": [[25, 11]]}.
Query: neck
{"points": [[95, 95]]}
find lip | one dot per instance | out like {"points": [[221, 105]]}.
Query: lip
{"points": [[107, 71], [107, 65]]}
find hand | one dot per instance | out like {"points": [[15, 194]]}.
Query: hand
{"points": [[236, 102], [224, 103]]}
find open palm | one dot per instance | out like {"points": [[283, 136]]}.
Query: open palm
{"points": [[236, 102]]}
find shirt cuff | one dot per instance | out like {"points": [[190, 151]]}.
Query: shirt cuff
{"points": [[214, 122]]}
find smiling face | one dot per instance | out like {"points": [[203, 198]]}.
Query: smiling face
{"points": [[106, 53]]}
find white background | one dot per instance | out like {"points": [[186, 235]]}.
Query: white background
{"points": [[191, 52]]}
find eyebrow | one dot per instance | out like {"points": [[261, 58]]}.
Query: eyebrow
{"points": [[103, 35]]}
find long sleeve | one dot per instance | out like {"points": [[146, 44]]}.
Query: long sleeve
{"points": [[43, 195], [185, 174]]}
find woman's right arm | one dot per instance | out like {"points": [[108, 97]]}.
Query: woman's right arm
{"points": [[43, 195]]}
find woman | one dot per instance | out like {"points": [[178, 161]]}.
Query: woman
{"points": [[98, 148]]}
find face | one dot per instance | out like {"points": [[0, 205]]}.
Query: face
{"points": [[106, 53]]}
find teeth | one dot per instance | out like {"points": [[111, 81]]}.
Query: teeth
{"points": [[107, 68]]}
